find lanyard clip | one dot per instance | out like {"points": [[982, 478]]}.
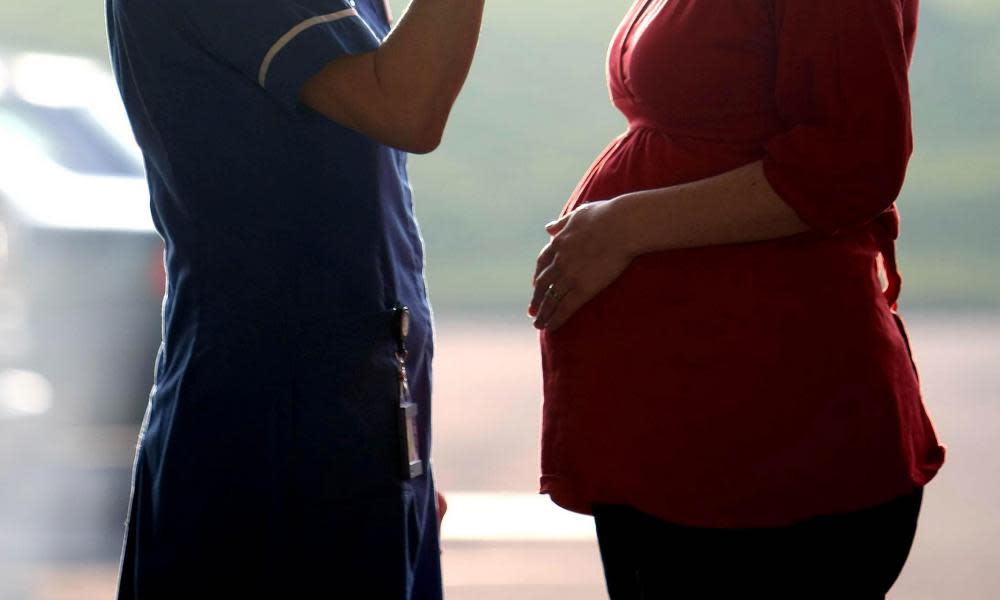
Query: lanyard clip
{"points": [[401, 330]]}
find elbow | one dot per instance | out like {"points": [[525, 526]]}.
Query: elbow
{"points": [[873, 183], [892, 187], [831, 202], [421, 147], [410, 134], [426, 129], [887, 169], [420, 127], [424, 119], [407, 132], [885, 183], [867, 199], [423, 139]]}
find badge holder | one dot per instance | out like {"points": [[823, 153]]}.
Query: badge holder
{"points": [[412, 464]]}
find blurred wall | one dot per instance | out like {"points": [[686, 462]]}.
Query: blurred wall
{"points": [[535, 113]]}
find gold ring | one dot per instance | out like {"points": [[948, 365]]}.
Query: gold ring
{"points": [[551, 291]]}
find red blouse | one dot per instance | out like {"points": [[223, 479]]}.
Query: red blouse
{"points": [[756, 384]]}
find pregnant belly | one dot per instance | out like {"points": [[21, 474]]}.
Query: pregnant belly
{"points": [[705, 302], [644, 158]]}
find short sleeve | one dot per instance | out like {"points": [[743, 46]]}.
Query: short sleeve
{"points": [[276, 44], [843, 94]]}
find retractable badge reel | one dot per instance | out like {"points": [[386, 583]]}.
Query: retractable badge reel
{"points": [[413, 466]]}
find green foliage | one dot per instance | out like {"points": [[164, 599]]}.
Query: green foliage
{"points": [[535, 113]]}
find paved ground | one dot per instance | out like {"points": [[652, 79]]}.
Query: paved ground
{"points": [[63, 489]]}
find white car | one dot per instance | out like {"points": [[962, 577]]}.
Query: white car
{"points": [[81, 265]]}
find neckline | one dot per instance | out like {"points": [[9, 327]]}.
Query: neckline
{"points": [[623, 43]]}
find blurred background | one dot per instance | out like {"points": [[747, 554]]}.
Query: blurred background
{"points": [[81, 281]]}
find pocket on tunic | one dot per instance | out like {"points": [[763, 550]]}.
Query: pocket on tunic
{"points": [[345, 407]]}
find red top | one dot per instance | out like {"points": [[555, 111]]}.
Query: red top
{"points": [[756, 384]]}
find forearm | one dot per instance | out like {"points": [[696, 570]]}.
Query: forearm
{"points": [[425, 60], [402, 93], [735, 207]]}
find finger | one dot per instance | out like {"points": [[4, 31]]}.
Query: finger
{"points": [[550, 303], [556, 226], [442, 506], [549, 276], [442, 503], [544, 310], [545, 258], [566, 309]]}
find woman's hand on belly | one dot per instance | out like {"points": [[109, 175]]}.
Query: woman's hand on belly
{"points": [[586, 254]]}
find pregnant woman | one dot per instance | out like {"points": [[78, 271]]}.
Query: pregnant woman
{"points": [[728, 387]]}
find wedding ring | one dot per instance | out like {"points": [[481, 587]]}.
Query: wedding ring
{"points": [[551, 291]]}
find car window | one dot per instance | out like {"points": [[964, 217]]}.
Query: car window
{"points": [[70, 137]]}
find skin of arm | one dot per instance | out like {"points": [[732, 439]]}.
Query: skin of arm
{"points": [[591, 246], [402, 93]]}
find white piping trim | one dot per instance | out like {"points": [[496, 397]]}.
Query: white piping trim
{"points": [[293, 33]]}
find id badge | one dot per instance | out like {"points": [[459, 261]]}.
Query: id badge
{"points": [[413, 466], [409, 437]]}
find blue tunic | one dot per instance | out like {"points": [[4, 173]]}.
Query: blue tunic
{"points": [[268, 464]]}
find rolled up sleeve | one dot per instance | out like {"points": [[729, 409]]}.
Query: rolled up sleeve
{"points": [[843, 94], [276, 44]]}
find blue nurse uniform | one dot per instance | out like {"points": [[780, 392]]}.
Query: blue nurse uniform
{"points": [[268, 463]]}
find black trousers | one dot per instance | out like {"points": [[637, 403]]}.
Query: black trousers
{"points": [[851, 556]]}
